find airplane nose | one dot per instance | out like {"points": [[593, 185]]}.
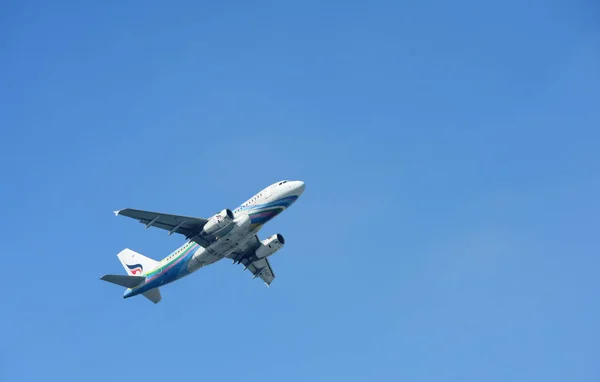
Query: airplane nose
{"points": [[299, 187]]}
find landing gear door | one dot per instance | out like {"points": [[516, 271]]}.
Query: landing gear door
{"points": [[267, 193]]}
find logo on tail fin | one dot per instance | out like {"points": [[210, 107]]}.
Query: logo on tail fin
{"points": [[135, 268]]}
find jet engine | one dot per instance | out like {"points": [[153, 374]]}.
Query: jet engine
{"points": [[269, 246], [218, 222]]}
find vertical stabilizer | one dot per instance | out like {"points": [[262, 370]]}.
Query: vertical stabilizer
{"points": [[135, 263]]}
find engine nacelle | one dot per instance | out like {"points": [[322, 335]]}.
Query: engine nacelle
{"points": [[218, 222], [269, 246]]}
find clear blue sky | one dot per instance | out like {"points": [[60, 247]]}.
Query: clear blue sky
{"points": [[450, 226]]}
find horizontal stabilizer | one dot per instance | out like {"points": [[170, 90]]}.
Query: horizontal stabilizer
{"points": [[153, 295], [124, 281]]}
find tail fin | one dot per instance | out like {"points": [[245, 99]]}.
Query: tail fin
{"points": [[135, 263]]}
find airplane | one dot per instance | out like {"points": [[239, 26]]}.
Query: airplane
{"points": [[226, 234]]}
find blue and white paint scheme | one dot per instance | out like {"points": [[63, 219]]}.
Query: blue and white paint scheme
{"points": [[227, 234]]}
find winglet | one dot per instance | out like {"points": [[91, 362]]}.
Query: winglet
{"points": [[117, 212]]}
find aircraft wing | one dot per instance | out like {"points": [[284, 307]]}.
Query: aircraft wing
{"points": [[260, 268], [184, 225]]}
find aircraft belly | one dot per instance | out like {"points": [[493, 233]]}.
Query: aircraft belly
{"points": [[216, 251], [223, 245]]}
